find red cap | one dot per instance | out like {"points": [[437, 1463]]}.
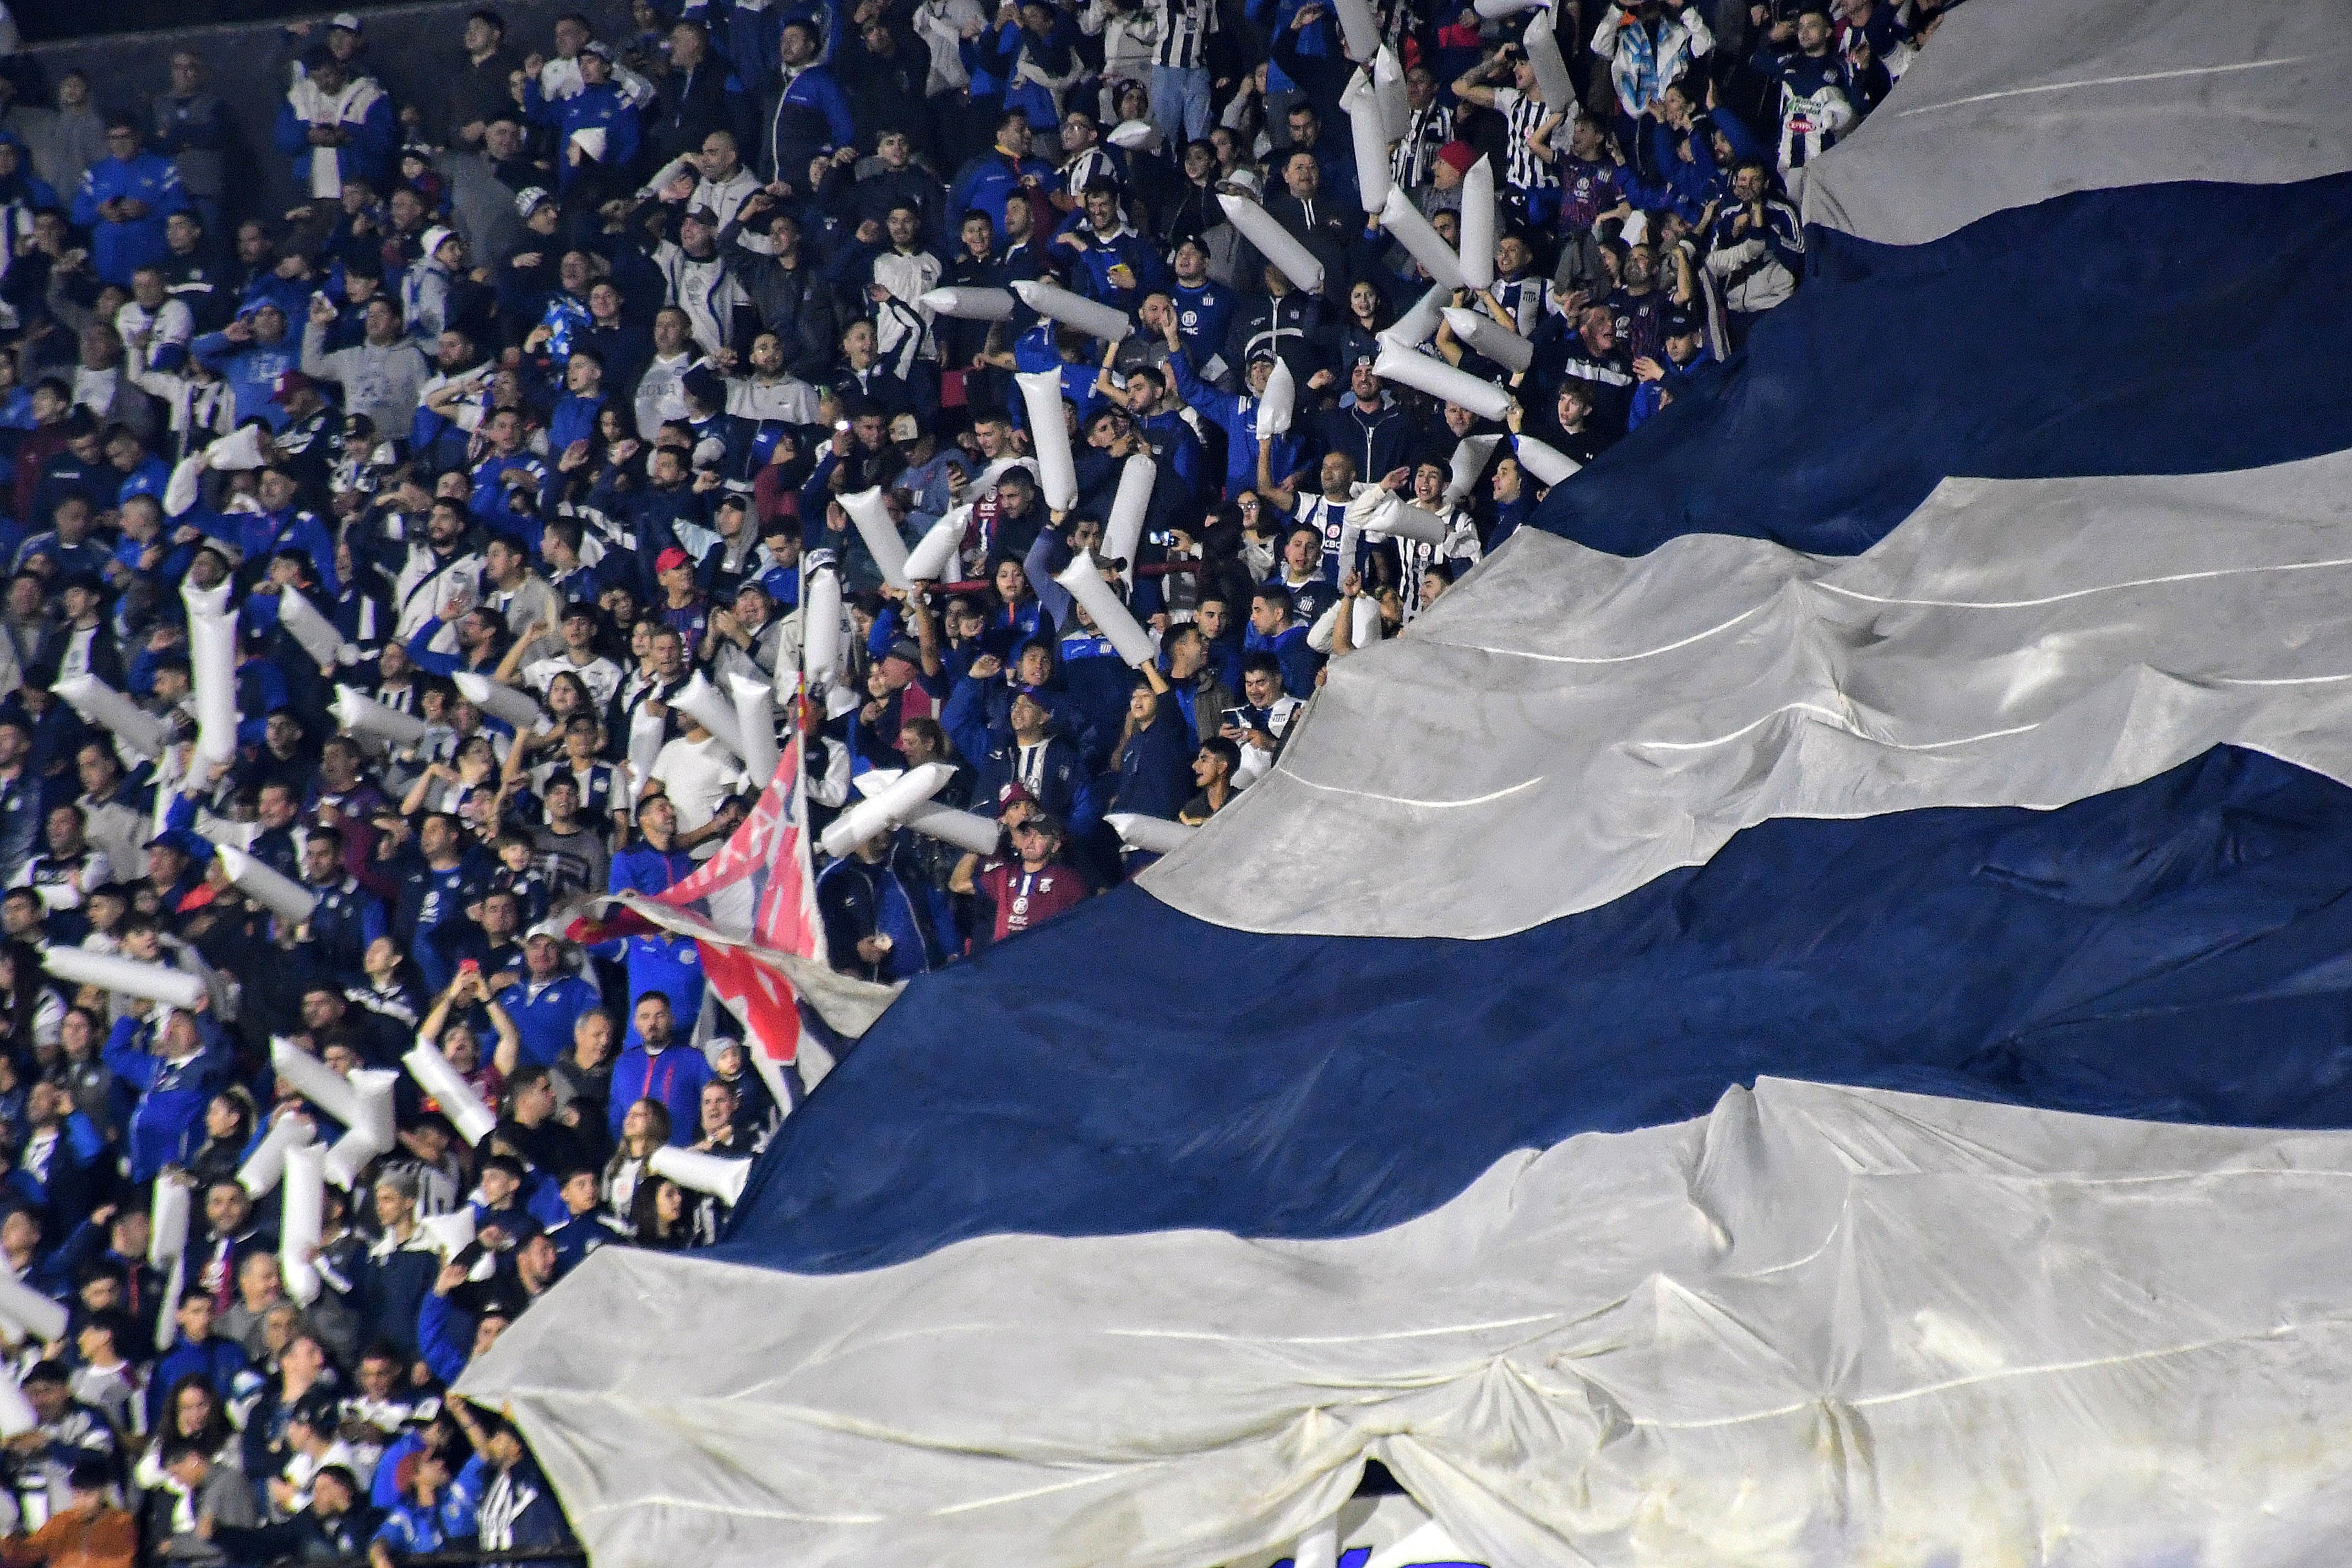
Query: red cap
{"points": [[669, 559], [1013, 795], [289, 381], [1460, 156]]}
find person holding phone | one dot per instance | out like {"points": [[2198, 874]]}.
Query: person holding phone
{"points": [[1260, 725]]}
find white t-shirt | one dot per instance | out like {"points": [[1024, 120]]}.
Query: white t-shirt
{"points": [[661, 393], [697, 776], [600, 675]]}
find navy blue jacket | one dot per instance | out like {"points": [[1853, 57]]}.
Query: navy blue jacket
{"points": [[892, 898], [1154, 774], [1063, 787]]}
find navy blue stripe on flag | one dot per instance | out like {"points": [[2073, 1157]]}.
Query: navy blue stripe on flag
{"points": [[2153, 329], [2173, 951]]}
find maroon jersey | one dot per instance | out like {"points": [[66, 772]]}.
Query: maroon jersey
{"points": [[1026, 899]]}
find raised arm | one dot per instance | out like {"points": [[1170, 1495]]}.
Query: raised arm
{"points": [[1472, 87], [509, 1054], [1540, 138], [429, 1032]]}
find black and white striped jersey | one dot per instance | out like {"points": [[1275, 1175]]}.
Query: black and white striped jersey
{"points": [[1414, 162], [1524, 169], [1184, 30]]}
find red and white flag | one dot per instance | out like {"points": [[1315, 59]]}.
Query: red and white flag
{"points": [[762, 886], [750, 908], [752, 912]]}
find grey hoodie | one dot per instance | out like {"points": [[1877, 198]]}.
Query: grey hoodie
{"points": [[384, 384]]}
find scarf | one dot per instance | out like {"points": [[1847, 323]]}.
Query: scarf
{"points": [[314, 107]]}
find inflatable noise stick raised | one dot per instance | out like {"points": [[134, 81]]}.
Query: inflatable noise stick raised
{"points": [[983, 484], [1490, 337], [167, 1247], [886, 808], [703, 702], [1084, 579], [463, 1107], [645, 733], [964, 829], [167, 1223], [265, 885], [32, 1314], [373, 1135], [301, 1214], [364, 715], [212, 669], [1427, 372], [1274, 242], [267, 1164], [969, 304], [698, 1172], [1369, 131], [451, 1234], [1049, 433], [1478, 225], [1418, 325], [820, 630], [164, 983], [1089, 316], [1359, 30], [1423, 242], [1396, 518], [100, 704], [935, 553], [1468, 464], [1542, 44], [1388, 86], [1279, 401], [755, 721], [314, 1080], [1131, 507], [303, 622], [501, 701], [870, 510], [1545, 463]]}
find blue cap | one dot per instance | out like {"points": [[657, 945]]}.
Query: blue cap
{"points": [[187, 840]]}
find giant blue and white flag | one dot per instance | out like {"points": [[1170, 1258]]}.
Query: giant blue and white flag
{"points": [[1803, 1015]]}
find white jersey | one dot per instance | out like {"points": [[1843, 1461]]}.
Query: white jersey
{"points": [[1255, 763]]}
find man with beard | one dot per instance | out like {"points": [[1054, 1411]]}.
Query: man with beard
{"points": [[439, 574], [1640, 305], [437, 439], [762, 248]]}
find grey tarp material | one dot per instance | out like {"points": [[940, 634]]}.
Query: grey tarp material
{"points": [[2020, 642], [2016, 101], [1820, 1326], [1797, 1331]]}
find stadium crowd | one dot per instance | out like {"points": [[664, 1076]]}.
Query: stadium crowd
{"points": [[556, 392]]}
